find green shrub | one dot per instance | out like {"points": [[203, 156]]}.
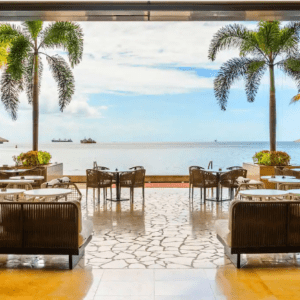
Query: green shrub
{"points": [[33, 158], [272, 158]]}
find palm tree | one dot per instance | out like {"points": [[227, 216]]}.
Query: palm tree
{"points": [[24, 64], [267, 47]]}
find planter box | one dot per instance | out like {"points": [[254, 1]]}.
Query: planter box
{"points": [[255, 171]]}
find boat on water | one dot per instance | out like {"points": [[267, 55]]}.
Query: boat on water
{"points": [[62, 141], [88, 141]]}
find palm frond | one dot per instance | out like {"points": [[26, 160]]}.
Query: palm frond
{"points": [[29, 76], [291, 67], [230, 36], [67, 35], [287, 42], [9, 32], [10, 89], [230, 71], [19, 51], [33, 27], [253, 76], [64, 78]]}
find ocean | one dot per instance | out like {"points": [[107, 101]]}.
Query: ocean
{"points": [[157, 158]]}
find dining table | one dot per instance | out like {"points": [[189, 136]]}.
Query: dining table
{"points": [[17, 181], [11, 192], [116, 174], [218, 173], [48, 193], [277, 177], [294, 193], [279, 181], [29, 177], [14, 171], [263, 194]]}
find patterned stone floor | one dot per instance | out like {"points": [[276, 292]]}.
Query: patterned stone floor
{"points": [[167, 232]]}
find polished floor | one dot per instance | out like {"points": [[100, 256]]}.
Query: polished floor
{"points": [[164, 249]]}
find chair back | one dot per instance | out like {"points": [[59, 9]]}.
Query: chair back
{"points": [[92, 178], [139, 179], [229, 179], [104, 179], [75, 195], [196, 176], [96, 167], [234, 168], [127, 179], [39, 225], [136, 168], [209, 179]]}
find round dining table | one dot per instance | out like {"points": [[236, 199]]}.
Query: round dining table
{"points": [[29, 177], [263, 193], [48, 193], [11, 192], [278, 181], [218, 173], [277, 177], [294, 193], [16, 181], [118, 188], [14, 171]]}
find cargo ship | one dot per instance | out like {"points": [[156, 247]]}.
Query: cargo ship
{"points": [[62, 141], [88, 141]]}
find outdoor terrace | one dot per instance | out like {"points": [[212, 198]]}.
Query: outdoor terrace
{"points": [[166, 249]]}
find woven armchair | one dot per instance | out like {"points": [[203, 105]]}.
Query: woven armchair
{"points": [[191, 178], [196, 180], [75, 195], [139, 181], [105, 180], [91, 181], [127, 180], [229, 180]]}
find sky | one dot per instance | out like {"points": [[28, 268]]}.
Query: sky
{"points": [[153, 82]]}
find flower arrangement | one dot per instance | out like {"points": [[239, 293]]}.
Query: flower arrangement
{"points": [[33, 158], [272, 158]]}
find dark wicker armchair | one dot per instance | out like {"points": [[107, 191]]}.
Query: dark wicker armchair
{"points": [[228, 180], [91, 181], [191, 178], [127, 180], [139, 181], [196, 180], [287, 172], [105, 180]]}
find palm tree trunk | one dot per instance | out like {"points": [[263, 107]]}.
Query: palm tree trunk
{"points": [[272, 111], [35, 112]]}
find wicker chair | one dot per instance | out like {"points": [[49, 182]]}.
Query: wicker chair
{"points": [[196, 180], [136, 168], [105, 180], [229, 180], [191, 178], [91, 181], [75, 195], [127, 180], [234, 168], [2, 177], [251, 185], [210, 181], [139, 181]]}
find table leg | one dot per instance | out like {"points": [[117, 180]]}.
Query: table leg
{"points": [[118, 190], [218, 188]]}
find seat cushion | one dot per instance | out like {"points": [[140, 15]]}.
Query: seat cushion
{"points": [[223, 232], [87, 230]]}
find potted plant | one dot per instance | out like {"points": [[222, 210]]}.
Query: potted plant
{"points": [[32, 158], [271, 158]]}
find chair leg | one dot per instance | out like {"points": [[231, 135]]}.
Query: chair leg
{"points": [[192, 192], [143, 194], [87, 193], [132, 195], [189, 190], [110, 192], [201, 194], [204, 195], [98, 195]]}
